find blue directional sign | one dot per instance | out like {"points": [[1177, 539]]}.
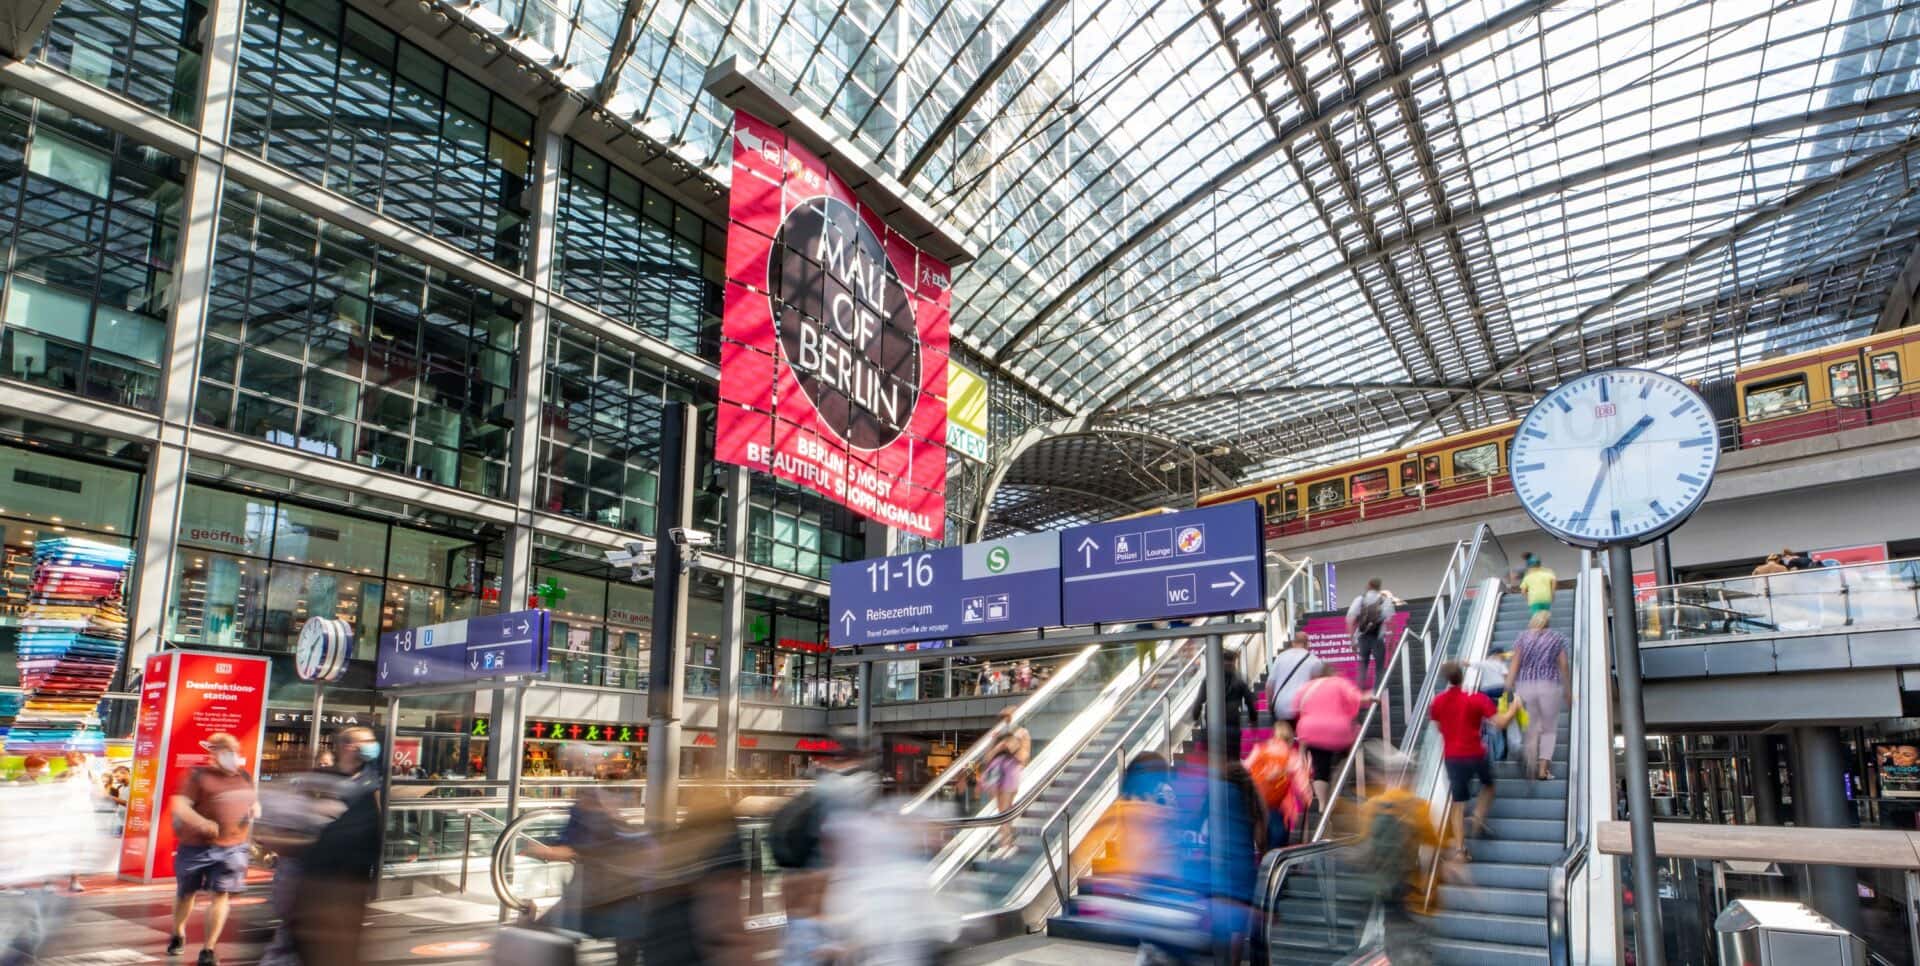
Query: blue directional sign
{"points": [[979, 588], [475, 649], [1206, 561]]}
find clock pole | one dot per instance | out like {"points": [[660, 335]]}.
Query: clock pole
{"points": [[1647, 935]]}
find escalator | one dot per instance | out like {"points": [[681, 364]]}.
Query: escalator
{"points": [[1509, 903]]}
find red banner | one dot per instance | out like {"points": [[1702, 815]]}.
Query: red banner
{"points": [[185, 696], [833, 359]]}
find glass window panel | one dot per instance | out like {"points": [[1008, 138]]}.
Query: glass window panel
{"points": [[1886, 376], [48, 310], [332, 540], [234, 522]]}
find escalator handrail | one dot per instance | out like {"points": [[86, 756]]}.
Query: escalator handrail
{"points": [[1445, 608], [1273, 875], [1119, 706], [1025, 709], [1573, 860]]}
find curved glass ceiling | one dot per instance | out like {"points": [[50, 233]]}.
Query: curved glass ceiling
{"points": [[1299, 230]]}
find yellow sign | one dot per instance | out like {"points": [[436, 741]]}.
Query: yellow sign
{"points": [[967, 402]]}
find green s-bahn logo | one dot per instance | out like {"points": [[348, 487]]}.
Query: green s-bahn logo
{"points": [[998, 559]]}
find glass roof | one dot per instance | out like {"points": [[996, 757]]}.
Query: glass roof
{"points": [[1297, 229]]}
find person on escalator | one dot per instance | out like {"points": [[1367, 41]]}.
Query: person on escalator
{"points": [[1459, 715], [1539, 676], [1012, 746], [1397, 831], [1367, 620], [1326, 724], [1290, 671], [1239, 697], [1538, 585], [1285, 782]]}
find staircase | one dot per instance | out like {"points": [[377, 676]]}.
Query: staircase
{"points": [[1499, 914], [1396, 696]]}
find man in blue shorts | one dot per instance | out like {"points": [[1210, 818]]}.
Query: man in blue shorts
{"points": [[213, 814]]}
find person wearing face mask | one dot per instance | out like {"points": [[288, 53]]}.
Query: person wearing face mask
{"points": [[337, 872], [213, 814]]}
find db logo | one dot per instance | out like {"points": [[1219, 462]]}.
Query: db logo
{"points": [[1605, 410], [223, 669]]}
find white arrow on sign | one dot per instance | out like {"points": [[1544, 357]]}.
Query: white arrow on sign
{"points": [[473, 663], [1236, 583], [846, 619], [1087, 546]]}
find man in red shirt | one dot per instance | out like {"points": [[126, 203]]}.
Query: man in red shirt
{"points": [[213, 815], [1458, 713]]}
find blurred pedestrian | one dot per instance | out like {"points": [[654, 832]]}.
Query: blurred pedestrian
{"points": [[33, 770], [1492, 682], [1539, 676], [337, 874], [1367, 620], [1459, 716], [1006, 763], [39, 831], [1289, 672], [1239, 699], [293, 810], [603, 896], [1326, 724], [1770, 566], [213, 814], [844, 782], [1397, 829], [120, 792], [696, 876], [1795, 561], [1285, 782], [1538, 585]]}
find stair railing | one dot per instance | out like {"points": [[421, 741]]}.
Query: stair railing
{"points": [[1588, 663]]}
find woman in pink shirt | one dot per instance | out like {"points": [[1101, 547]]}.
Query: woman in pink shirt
{"points": [[1326, 709]]}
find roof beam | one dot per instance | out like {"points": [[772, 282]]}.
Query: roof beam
{"points": [[1809, 192], [1899, 311], [1909, 100], [619, 52], [1016, 46], [1317, 120]]}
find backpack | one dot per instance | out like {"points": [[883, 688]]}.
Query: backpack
{"points": [[1392, 853], [1370, 621], [794, 836]]}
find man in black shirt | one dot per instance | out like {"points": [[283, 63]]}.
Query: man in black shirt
{"points": [[1239, 696]]}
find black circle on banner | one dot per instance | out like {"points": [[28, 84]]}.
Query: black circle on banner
{"points": [[846, 322]]}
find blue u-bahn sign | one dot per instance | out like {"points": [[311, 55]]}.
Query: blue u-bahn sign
{"points": [[476, 649]]}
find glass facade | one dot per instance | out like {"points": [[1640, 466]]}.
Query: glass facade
{"points": [[323, 341], [798, 530], [89, 226], [632, 253], [252, 569], [331, 95], [148, 50]]}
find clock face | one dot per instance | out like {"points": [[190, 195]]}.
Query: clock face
{"points": [[1619, 456]]}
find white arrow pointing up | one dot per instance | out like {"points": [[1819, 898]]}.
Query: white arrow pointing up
{"points": [[1236, 583], [846, 619], [1087, 546]]}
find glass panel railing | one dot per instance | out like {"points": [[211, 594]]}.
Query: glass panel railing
{"points": [[973, 679], [1883, 594]]}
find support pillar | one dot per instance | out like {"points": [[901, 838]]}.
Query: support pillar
{"points": [[163, 493], [1820, 801], [1766, 779], [733, 622], [666, 677], [1624, 632]]}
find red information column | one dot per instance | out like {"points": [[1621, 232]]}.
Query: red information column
{"points": [[185, 696]]}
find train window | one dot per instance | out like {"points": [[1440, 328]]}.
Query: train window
{"points": [[1886, 376], [1410, 477], [1475, 462], [1274, 510], [1371, 485], [1430, 470], [1782, 397], [1326, 495], [1292, 503], [1844, 379]]}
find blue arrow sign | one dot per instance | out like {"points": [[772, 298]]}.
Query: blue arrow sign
{"points": [[979, 588], [1206, 561], [476, 649]]}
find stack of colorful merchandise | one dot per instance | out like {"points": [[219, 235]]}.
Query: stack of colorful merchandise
{"points": [[71, 639]]}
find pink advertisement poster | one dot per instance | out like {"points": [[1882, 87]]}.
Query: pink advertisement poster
{"points": [[1328, 637]]}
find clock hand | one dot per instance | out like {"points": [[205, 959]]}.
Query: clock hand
{"points": [[1633, 433], [1599, 479]]}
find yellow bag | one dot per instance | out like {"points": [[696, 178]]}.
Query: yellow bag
{"points": [[1522, 717]]}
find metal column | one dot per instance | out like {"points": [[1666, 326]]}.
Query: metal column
{"points": [[1820, 801], [1625, 632], [666, 683], [1217, 758], [864, 677]]}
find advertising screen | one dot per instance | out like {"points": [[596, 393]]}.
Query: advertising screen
{"points": [[185, 696], [834, 336], [1329, 638]]}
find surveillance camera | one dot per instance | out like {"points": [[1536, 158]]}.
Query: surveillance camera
{"points": [[640, 573], [690, 538], [634, 553]]}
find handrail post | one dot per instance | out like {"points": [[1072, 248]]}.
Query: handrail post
{"points": [[466, 851]]}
